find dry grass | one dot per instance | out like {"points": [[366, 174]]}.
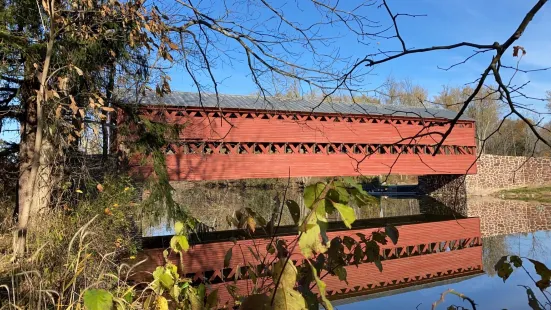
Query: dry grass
{"points": [[537, 194]]}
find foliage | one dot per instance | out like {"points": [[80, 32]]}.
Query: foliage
{"points": [[79, 244], [504, 268], [97, 299], [321, 256]]}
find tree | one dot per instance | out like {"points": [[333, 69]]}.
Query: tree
{"points": [[57, 75], [452, 98], [63, 61], [485, 109], [403, 92]]}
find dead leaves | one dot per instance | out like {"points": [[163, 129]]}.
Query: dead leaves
{"points": [[518, 48], [251, 223]]}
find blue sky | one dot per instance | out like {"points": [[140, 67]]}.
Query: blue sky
{"points": [[447, 22]]}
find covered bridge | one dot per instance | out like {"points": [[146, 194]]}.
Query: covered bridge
{"points": [[239, 137]]}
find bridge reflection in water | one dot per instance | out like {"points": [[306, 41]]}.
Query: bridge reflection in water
{"points": [[432, 249]]}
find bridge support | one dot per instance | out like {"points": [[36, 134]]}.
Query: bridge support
{"points": [[450, 189]]}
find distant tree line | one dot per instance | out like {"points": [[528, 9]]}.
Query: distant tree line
{"points": [[496, 132]]}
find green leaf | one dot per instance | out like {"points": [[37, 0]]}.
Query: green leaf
{"points": [[201, 291], [179, 243], [252, 274], [321, 210], [379, 265], [358, 255], [342, 192], [260, 220], [544, 273], [175, 291], [294, 209], [348, 242], [270, 248], [97, 299], [340, 271], [227, 257], [321, 287], [212, 300], [166, 280], [517, 262], [543, 284], [178, 228], [379, 237], [311, 300], [163, 276], [503, 268], [129, 296], [392, 233], [323, 231], [256, 301], [347, 214], [532, 300], [312, 193], [541, 269], [161, 303], [372, 250], [286, 298], [287, 275], [310, 243], [361, 198]]}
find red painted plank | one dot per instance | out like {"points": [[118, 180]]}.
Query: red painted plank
{"points": [[265, 130], [270, 127], [367, 277], [240, 166], [205, 257]]}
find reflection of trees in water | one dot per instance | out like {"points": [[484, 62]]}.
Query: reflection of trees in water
{"points": [[400, 207], [492, 250], [212, 205], [539, 246]]}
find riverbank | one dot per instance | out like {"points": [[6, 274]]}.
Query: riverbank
{"points": [[538, 194]]}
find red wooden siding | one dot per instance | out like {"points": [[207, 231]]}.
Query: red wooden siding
{"points": [[424, 251], [366, 279], [250, 126], [226, 144]]}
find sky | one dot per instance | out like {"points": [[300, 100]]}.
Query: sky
{"points": [[446, 22]]}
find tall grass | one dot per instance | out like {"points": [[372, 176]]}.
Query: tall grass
{"points": [[73, 249]]}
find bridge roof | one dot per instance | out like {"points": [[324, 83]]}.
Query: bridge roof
{"points": [[256, 102]]}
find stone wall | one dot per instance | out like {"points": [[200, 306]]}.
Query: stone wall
{"points": [[449, 189], [494, 173], [505, 217], [502, 172]]}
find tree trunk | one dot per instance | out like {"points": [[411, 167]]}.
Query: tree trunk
{"points": [[106, 123], [33, 156]]}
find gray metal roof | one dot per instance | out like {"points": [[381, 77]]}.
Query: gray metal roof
{"points": [[254, 102]]}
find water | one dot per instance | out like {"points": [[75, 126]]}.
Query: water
{"points": [[507, 228], [487, 290]]}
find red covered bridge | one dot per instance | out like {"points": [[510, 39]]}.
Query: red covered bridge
{"points": [[238, 137], [427, 252]]}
